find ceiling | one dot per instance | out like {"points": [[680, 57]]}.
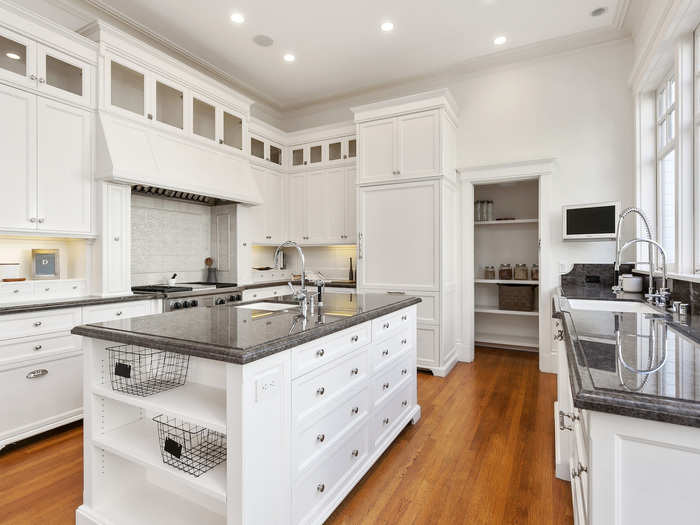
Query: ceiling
{"points": [[338, 45]]}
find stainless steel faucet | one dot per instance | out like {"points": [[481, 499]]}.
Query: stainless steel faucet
{"points": [[301, 294], [662, 295], [618, 242]]}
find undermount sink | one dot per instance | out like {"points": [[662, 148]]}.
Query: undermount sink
{"points": [[270, 307], [611, 306]]}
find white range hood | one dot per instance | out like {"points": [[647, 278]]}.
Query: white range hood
{"points": [[133, 153]]}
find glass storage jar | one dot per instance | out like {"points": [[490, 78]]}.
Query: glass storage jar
{"points": [[489, 272], [535, 272], [520, 273], [505, 272], [489, 211]]}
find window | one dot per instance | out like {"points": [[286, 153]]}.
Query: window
{"points": [[666, 148]]}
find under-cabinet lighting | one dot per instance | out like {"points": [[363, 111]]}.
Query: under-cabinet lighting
{"points": [[387, 26], [500, 40], [289, 57], [13, 56], [237, 18]]}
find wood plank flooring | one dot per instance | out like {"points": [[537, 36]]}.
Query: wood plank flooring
{"points": [[483, 453]]}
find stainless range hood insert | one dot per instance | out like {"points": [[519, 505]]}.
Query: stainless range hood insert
{"points": [[163, 193]]}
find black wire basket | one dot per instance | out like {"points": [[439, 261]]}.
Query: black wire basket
{"points": [[190, 448], [141, 371]]}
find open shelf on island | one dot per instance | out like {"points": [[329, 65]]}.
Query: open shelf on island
{"points": [[198, 404], [491, 309], [506, 340], [508, 221], [504, 281], [138, 443]]}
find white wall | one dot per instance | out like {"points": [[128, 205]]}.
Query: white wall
{"points": [[168, 237]]}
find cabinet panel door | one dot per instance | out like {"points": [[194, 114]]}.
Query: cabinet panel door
{"points": [[17, 59], [350, 205], [64, 167], [334, 205], [377, 150], [419, 144], [117, 264], [274, 203], [296, 211], [256, 215], [126, 88], [18, 153], [428, 346], [63, 76], [317, 220], [400, 225]]}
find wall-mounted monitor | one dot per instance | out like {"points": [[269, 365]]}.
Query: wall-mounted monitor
{"points": [[590, 221]]}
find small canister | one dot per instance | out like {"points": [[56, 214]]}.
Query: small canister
{"points": [[521, 272], [505, 272], [535, 273], [490, 272]]}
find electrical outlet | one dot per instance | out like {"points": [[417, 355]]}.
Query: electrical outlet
{"points": [[267, 385]]}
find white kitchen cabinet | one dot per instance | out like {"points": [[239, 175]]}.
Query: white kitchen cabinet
{"points": [[22, 69], [267, 219], [18, 138], [350, 230], [65, 77], [377, 150], [113, 267], [64, 194], [296, 209]]}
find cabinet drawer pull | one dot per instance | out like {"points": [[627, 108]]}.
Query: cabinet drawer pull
{"points": [[41, 220], [404, 317], [320, 487], [355, 410], [37, 324], [149, 116], [320, 391], [321, 438], [385, 325], [354, 371], [320, 352], [116, 238], [118, 313], [355, 453], [386, 421], [355, 338], [38, 347], [47, 289], [32, 76], [404, 403], [37, 373], [396, 292], [75, 287], [404, 372], [385, 352], [385, 386], [404, 341], [15, 291]]}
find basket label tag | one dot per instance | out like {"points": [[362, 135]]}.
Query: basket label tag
{"points": [[173, 447], [123, 370]]}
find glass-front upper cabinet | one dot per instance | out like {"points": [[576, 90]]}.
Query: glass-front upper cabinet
{"points": [[316, 154], [257, 148], [298, 157], [275, 155], [170, 105], [17, 58], [63, 76], [127, 88], [203, 119], [233, 131], [335, 150], [341, 149], [352, 148]]}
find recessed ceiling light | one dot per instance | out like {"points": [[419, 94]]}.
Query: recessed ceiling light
{"points": [[599, 11], [237, 18], [289, 57], [387, 26], [13, 56], [500, 40]]}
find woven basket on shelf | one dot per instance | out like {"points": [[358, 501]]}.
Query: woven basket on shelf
{"points": [[516, 297]]}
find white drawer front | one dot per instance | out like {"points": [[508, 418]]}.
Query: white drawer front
{"points": [[383, 327], [38, 394], [111, 312], [58, 289], [25, 325], [317, 488], [385, 383], [311, 444], [314, 392], [317, 353], [11, 292], [37, 347], [388, 415], [386, 352]]}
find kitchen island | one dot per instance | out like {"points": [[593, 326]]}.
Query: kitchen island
{"points": [[295, 409]]}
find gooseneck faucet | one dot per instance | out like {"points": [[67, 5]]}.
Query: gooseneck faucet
{"points": [[618, 243], [662, 295], [301, 294]]}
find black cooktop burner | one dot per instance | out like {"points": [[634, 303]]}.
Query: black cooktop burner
{"points": [[160, 288]]}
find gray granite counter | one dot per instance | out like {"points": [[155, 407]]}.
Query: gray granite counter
{"points": [[72, 302], [242, 335], [644, 365]]}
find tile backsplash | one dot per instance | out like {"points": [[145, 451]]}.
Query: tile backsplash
{"points": [[168, 237], [331, 261]]}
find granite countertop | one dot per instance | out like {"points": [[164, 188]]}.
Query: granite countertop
{"points": [[615, 366], [242, 335], [71, 302]]}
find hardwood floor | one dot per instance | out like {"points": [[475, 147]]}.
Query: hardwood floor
{"points": [[483, 453]]}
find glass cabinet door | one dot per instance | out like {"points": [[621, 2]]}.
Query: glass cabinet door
{"points": [[275, 155], [17, 58], [315, 154], [257, 148], [63, 76], [233, 131], [352, 148], [203, 119], [298, 157], [127, 88], [334, 151], [169, 105]]}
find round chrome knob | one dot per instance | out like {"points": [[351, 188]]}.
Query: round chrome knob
{"points": [[385, 386], [404, 341], [355, 453], [404, 317], [404, 403], [355, 410], [38, 347], [386, 421], [385, 352], [321, 438], [355, 371], [320, 352], [37, 324], [119, 313], [320, 487], [404, 372], [320, 391], [354, 339]]}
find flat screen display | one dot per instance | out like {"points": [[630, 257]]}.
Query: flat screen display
{"points": [[591, 221]]}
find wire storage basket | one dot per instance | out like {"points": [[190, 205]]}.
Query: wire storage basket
{"points": [[190, 448], [142, 371]]}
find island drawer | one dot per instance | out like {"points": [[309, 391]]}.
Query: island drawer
{"points": [[315, 354], [389, 324], [385, 352], [323, 388], [28, 348], [38, 394], [321, 485], [389, 414], [385, 383], [37, 323], [111, 312], [311, 444]]}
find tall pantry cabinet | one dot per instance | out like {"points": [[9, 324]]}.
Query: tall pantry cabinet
{"points": [[408, 222]]}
